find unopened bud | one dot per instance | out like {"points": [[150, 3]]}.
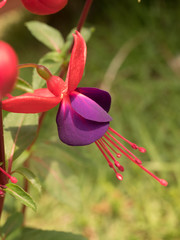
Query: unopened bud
{"points": [[43, 72]]}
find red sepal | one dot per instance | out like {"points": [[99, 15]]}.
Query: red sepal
{"points": [[77, 62], [41, 100]]}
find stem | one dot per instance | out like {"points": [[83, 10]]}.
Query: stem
{"points": [[27, 65], [10, 160], [26, 188], [84, 14], [26, 163], [3, 179]]}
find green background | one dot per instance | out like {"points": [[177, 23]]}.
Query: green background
{"points": [[80, 191]]}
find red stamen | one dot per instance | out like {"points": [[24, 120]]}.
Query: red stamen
{"points": [[103, 144], [117, 164], [163, 182], [117, 154], [133, 145], [119, 176], [119, 147], [141, 149], [138, 161], [12, 179], [109, 162], [98, 144]]}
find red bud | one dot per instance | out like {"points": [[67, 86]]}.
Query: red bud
{"points": [[8, 68], [44, 7]]}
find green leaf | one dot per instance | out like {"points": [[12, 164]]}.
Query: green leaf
{"points": [[36, 234], [23, 85], [12, 224], [17, 192], [49, 36], [19, 132], [53, 56], [30, 176], [87, 33]]}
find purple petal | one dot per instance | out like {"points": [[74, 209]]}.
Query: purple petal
{"points": [[88, 108], [74, 130], [101, 97]]}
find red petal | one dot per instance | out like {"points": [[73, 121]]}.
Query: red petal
{"points": [[41, 100], [77, 62]]}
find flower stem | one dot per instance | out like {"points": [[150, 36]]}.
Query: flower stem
{"points": [[27, 65], [3, 179], [84, 14], [26, 188]]}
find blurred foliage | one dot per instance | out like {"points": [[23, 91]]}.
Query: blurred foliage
{"points": [[81, 194]]}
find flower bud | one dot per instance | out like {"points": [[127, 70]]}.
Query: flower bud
{"points": [[8, 68], [43, 72], [44, 7]]}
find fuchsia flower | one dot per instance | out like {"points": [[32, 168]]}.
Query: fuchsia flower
{"points": [[83, 116]]}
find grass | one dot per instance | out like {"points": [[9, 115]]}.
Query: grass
{"points": [[81, 194]]}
